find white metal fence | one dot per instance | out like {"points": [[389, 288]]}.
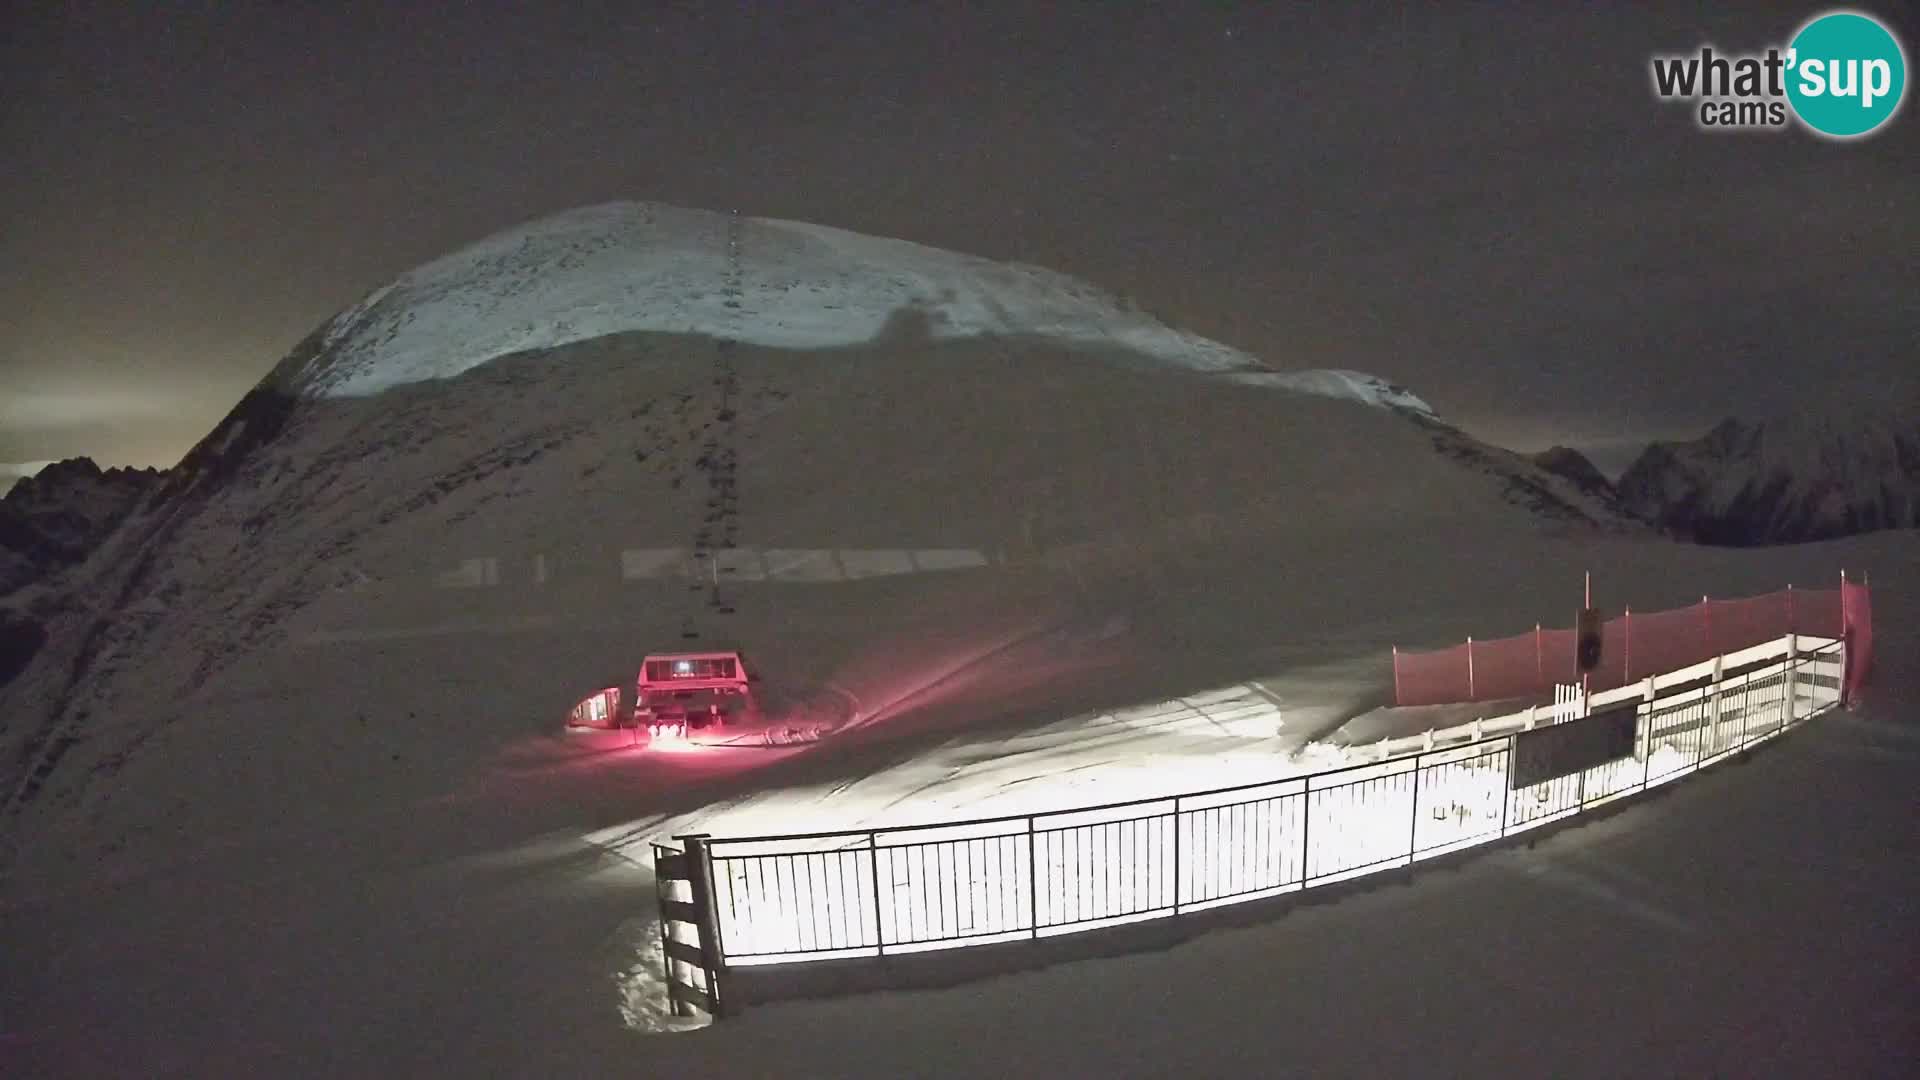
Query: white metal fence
{"points": [[780, 899]]}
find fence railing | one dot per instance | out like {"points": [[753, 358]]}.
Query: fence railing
{"points": [[1536, 715], [881, 892]]}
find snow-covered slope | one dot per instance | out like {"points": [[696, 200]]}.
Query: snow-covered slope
{"points": [[1806, 476], [649, 267]]}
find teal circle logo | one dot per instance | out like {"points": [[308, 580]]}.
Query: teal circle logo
{"points": [[1846, 74]]}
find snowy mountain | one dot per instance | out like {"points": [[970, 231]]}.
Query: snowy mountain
{"points": [[53, 520], [624, 267], [1572, 464], [1802, 477]]}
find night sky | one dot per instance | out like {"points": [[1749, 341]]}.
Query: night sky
{"points": [[1486, 205]]}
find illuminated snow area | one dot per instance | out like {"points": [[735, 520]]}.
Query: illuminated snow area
{"points": [[959, 881], [469, 929], [623, 267], [1226, 737]]}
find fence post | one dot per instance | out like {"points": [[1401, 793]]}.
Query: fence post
{"points": [[1789, 607], [1706, 616], [1645, 721], [1647, 694], [1176, 856], [1846, 643], [1539, 659], [1713, 697], [1792, 679], [1413, 829], [700, 877], [1306, 826], [873, 858], [1033, 873], [1471, 692], [1506, 792], [675, 1006]]}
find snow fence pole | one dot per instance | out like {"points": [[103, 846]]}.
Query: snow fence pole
{"points": [[1397, 699], [1626, 647], [1539, 660], [1470, 691], [1706, 619]]}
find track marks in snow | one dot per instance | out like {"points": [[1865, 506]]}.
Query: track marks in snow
{"points": [[719, 458]]}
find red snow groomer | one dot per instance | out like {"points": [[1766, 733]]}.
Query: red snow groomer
{"points": [[676, 694], [681, 692]]}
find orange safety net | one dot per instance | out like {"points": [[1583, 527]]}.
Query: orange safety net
{"points": [[1856, 622], [1633, 646]]}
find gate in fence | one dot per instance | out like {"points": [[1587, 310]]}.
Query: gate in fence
{"points": [[882, 892], [689, 937]]}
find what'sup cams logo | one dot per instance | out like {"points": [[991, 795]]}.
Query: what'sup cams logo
{"points": [[1842, 76]]}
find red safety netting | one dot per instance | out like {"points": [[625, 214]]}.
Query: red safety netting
{"points": [[1659, 641], [1560, 659], [1633, 646], [1736, 624], [1817, 612], [1856, 616], [1501, 665], [1433, 677]]}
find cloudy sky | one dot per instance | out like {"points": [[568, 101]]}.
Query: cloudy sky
{"points": [[1485, 203]]}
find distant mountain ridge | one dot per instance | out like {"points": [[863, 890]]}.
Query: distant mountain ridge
{"points": [[1798, 478], [1572, 465], [55, 519]]}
